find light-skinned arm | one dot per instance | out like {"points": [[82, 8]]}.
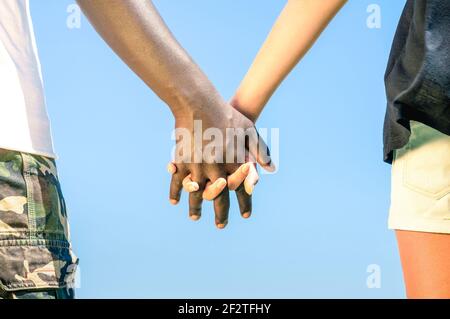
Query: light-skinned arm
{"points": [[295, 31], [299, 25]]}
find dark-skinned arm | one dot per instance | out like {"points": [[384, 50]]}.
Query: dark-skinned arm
{"points": [[136, 32]]}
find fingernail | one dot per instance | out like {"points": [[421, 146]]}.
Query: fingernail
{"points": [[173, 201], [221, 182], [271, 167], [194, 217], [222, 226], [249, 189], [246, 215], [193, 187], [170, 169]]}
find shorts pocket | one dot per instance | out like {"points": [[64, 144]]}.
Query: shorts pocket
{"points": [[427, 161], [47, 212]]}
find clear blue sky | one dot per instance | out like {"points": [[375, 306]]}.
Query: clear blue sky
{"points": [[317, 224]]}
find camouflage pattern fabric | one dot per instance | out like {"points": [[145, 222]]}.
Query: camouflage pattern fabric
{"points": [[61, 293], [35, 252]]}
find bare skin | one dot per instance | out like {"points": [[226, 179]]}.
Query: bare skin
{"points": [[136, 32], [292, 35], [242, 181], [425, 256], [159, 60], [425, 261], [297, 28]]}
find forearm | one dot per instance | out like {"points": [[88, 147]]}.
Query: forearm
{"points": [[295, 31], [137, 33]]}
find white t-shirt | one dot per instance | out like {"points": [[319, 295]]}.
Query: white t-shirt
{"points": [[24, 123]]}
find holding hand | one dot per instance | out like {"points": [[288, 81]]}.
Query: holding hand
{"points": [[213, 143], [243, 181]]}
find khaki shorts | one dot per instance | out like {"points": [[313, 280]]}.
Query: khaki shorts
{"points": [[420, 192]]}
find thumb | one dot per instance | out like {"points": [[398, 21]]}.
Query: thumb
{"points": [[260, 151]]}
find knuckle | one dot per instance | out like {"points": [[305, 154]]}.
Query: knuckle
{"points": [[196, 195]]}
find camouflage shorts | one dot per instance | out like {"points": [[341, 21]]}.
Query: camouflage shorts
{"points": [[35, 252], [59, 293]]}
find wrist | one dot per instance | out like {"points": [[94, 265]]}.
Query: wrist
{"points": [[244, 107], [196, 96]]}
